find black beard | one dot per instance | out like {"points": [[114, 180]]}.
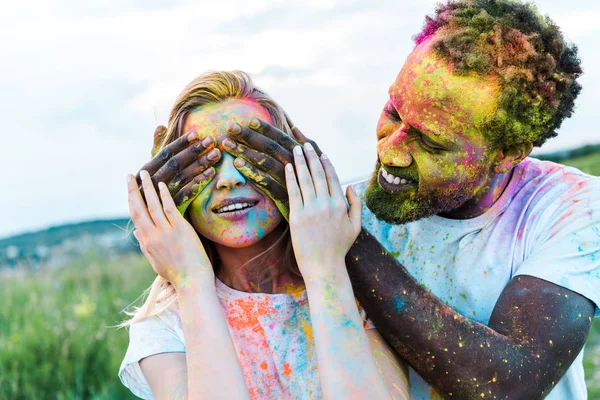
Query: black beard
{"points": [[402, 208]]}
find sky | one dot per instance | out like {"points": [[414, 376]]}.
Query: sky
{"points": [[83, 84]]}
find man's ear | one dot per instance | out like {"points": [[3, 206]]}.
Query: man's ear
{"points": [[508, 157], [159, 135]]}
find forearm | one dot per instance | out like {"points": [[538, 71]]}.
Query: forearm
{"points": [[213, 368], [346, 365], [453, 353]]}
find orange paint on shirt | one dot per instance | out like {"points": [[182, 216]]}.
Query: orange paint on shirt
{"points": [[287, 370]]}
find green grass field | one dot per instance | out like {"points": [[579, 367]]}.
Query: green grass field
{"points": [[55, 335], [55, 339]]}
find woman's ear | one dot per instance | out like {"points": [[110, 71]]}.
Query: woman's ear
{"points": [[159, 135], [509, 157]]}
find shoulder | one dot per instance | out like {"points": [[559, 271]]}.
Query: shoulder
{"points": [[153, 335], [552, 177], [545, 190]]}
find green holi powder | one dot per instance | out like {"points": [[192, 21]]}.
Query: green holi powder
{"points": [[464, 296], [173, 185]]}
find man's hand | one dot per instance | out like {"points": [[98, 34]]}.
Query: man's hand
{"points": [[185, 166], [262, 152]]}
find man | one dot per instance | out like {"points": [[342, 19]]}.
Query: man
{"points": [[488, 273]]}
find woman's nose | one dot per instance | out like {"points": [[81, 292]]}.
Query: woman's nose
{"points": [[228, 176]]}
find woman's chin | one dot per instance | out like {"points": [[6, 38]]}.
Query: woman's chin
{"points": [[237, 243]]}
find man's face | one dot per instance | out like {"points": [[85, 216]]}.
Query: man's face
{"points": [[432, 157]]}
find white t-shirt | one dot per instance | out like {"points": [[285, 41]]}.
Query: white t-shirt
{"points": [[546, 224], [272, 335]]}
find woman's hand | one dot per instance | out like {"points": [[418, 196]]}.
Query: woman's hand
{"points": [[168, 241], [180, 165], [322, 227]]}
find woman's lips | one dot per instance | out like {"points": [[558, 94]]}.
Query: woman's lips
{"points": [[235, 209]]}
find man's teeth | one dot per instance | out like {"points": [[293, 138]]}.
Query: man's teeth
{"points": [[235, 206], [391, 179]]}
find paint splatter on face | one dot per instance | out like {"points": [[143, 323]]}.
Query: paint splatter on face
{"points": [[432, 157], [230, 210]]}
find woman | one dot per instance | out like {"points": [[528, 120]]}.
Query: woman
{"points": [[228, 315]]}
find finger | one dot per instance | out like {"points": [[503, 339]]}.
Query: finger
{"points": [[305, 181], [167, 152], [335, 189], [303, 139], [260, 142], [273, 133], [261, 161], [191, 171], [272, 188], [137, 207], [190, 191], [295, 197], [182, 160], [169, 206], [355, 213], [154, 207], [316, 171]]}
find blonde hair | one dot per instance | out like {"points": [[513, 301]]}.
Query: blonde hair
{"points": [[209, 88]]}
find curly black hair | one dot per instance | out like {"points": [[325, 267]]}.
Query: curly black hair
{"points": [[527, 51]]}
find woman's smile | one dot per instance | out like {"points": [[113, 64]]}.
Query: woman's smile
{"points": [[235, 208]]}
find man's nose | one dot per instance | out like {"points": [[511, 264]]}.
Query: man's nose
{"points": [[228, 176], [393, 149]]}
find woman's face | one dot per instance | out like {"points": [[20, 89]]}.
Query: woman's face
{"points": [[230, 210]]}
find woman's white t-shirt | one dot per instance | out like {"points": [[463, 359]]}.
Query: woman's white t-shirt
{"points": [[272, 334]]}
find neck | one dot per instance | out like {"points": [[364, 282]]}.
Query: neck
{"points": [[238, 273], [479, 204]]}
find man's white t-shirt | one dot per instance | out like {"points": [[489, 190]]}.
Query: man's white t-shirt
{"points": [[546, 224]]}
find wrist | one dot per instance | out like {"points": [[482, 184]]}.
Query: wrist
{"points": [[323, 275], [193, 280]]}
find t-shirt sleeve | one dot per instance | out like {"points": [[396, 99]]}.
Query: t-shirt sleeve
{"points": [[150, 336], [566, 248]]}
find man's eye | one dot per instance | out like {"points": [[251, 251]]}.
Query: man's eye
{"points": [[392, 113], [429, 144]]}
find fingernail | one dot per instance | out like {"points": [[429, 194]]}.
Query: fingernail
{"points": [[192, 136], [161, 185], [128, 178], [324, 156], [254, 123], [207, 141], [309, 147], [289, 167], [239, 162], [144, 174], [208, 173], [298, 151], [228, 144], [213, 155], [234, 128]]}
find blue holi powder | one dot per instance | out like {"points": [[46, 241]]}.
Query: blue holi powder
{"points": [[260, 232], [400, 305]]}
